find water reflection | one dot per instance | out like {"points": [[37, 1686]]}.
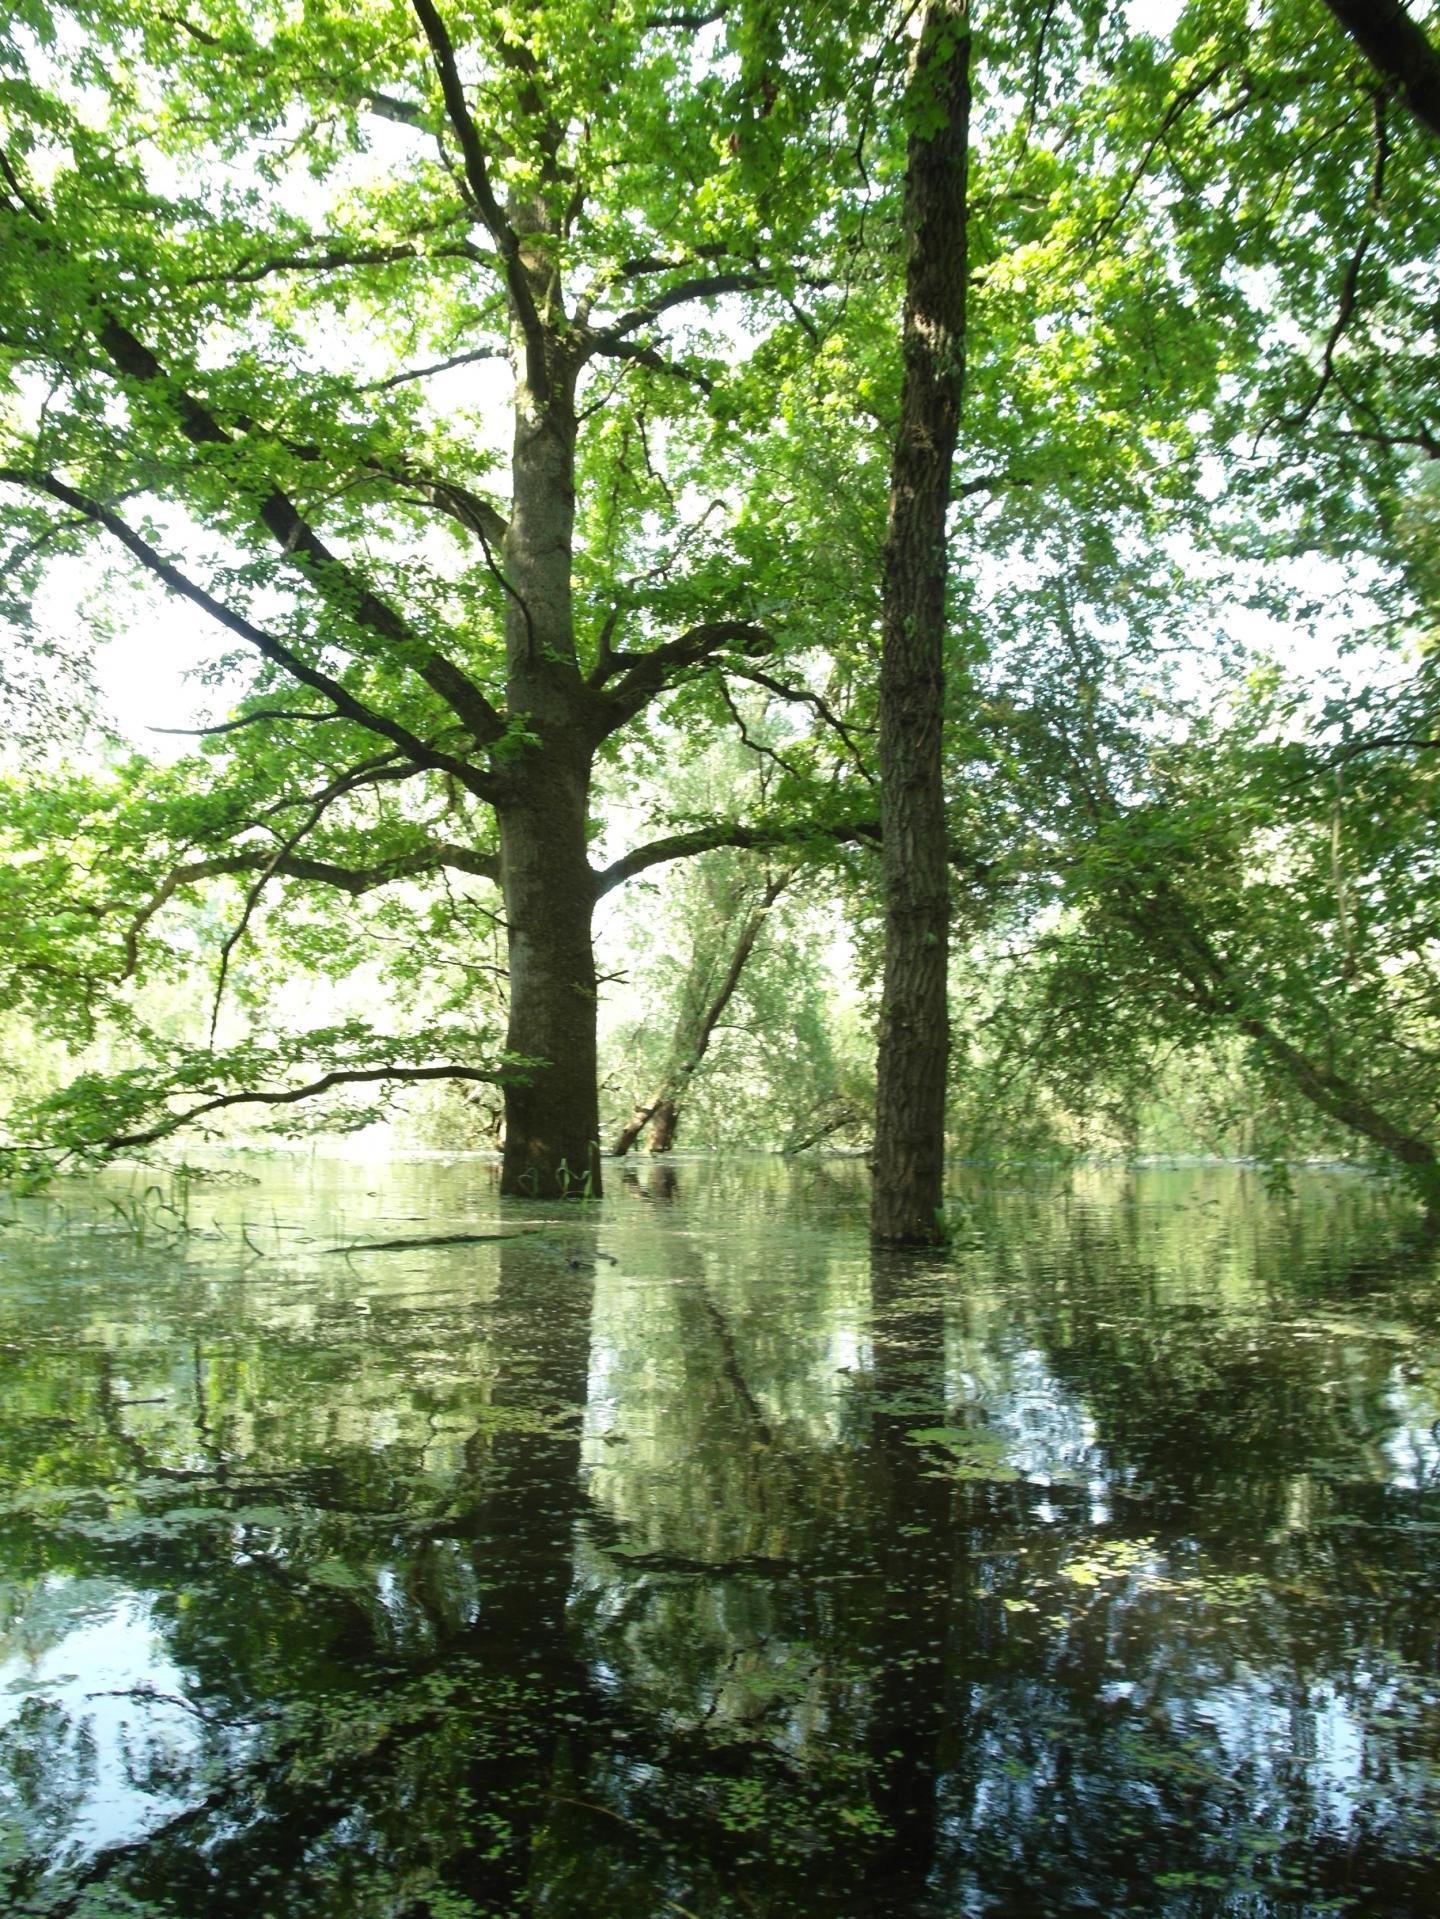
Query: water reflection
{"points": [[675, 1555]]}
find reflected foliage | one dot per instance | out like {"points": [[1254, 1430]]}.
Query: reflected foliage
{"points": [[676, 1555]]}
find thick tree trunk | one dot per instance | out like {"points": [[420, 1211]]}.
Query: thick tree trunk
{"points": [[552, 1122], [910, 1104]]}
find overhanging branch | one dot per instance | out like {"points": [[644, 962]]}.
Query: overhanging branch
{"points": [[345, 704], [292, 1096], [336, 582]]}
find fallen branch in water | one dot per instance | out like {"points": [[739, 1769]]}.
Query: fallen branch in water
{"points": [[434, 1239]]}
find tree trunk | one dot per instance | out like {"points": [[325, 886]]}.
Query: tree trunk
{"points": [[552, 1122], [1399, 51], [664, 1126], [910, 1103]]}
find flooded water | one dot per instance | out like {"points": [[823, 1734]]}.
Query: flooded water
{"points": [[674, 1557]]}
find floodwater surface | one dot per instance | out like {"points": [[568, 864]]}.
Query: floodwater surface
{"points": [[672, 1556]]}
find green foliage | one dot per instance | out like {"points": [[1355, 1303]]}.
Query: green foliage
{"points": [[97, 1113], [1200, 350]]}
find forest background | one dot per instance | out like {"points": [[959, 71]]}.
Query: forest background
{"points": [[506, 399]]}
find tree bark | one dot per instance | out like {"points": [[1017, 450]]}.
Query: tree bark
{"points": [[552, 1118], [1398, 50], [910, 1105], [664, 1126]]}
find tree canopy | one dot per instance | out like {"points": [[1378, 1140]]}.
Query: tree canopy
{"points": [[508, 395]]}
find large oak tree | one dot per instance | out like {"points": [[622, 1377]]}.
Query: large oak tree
{"points": [[250, 267]]}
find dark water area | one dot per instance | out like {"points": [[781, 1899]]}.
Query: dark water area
{"points": [[676, 1557]]}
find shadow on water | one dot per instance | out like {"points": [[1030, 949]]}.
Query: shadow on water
{"points": [[677, 1555]]}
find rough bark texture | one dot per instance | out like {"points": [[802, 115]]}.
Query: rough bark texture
{"points": [[1398, 50], [552, 1121], [910, 1107]]}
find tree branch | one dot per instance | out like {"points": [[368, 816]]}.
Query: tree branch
{"points": [[704, 839], [331, 577], [269, 713], [796, 834], [646, 354], [336, 259], [1350, 286], [478, 179], [336, 788], [345, 704], [703, 287], [802, 696], [291, 1096], [643, 675], [438, 366], [354, 880], [1398, 50]]}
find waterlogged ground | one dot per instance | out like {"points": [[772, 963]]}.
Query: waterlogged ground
{"points": [[673, 1558]]}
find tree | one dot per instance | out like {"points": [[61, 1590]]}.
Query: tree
{"points": [[721, 948], [239, 296], [910, 1087]]}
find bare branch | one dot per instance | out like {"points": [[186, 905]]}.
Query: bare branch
{"points": [[293, 1095], [346, 705], [438, 366]]}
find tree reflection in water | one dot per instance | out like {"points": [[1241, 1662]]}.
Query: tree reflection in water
{"points": [[673, 1557]]}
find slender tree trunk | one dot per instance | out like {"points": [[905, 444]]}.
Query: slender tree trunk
{"points": [[664, 1126], [910, 1105], [693, 1033]]}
